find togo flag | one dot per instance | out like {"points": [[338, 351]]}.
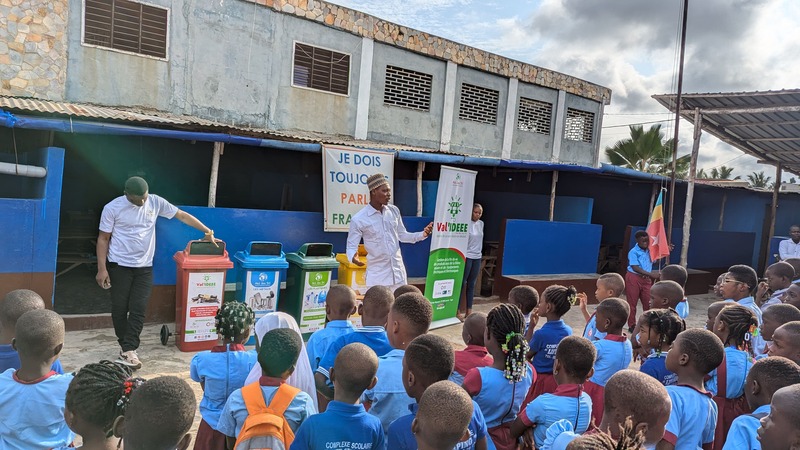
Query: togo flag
{"points": [[449, 243], [659, 247]]}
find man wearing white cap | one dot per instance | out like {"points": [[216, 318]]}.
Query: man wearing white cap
{"points": [[382, 229]]}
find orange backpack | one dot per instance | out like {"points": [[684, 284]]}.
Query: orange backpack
{"points": [[265, 427]]}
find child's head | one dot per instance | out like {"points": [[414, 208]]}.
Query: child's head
{"points": [[445, 411], [718, 285], [795, 263], [736, 326], [405, 289], [39, 336], [374, 309], [278, 353], [676, 273], [504, 339], [575, 357], [526, 298], [636, 396], [354, 370], [786, 341], [98, 395], [234, 321], [695, 351], [713, 312], [779, 275], [780, 430], [642, 239], [428, 359], [658, 329], [601, 440], [612, 315], [792, 295], [739, 282], [158, 416], [340, 302], [410, 316], [14, 305], [609, 285], [767, 376], [666, 294], [473, 330], [775, 316], [556, 301]]}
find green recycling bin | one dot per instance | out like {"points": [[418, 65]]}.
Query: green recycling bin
{"points": [[307, 282]]}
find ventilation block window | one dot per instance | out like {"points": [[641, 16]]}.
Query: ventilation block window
{"points": [[127, 26], [321, 69], [478, 104], [407, 88], [579, 126], [534, 115]]}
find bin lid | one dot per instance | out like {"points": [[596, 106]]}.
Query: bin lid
{"points": [[314, 256], [203, 255], [262, 255]]}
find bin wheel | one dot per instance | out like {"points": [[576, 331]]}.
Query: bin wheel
{"points": [[165, 334]]}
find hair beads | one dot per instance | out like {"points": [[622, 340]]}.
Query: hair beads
{"points": [[515, 357], [506, 324]]}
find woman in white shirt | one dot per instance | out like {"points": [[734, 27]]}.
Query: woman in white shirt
{"points": [[473, 263]]}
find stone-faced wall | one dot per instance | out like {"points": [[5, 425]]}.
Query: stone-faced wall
{"points": [[33, 48]]}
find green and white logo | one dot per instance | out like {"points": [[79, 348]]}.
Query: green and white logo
{"points": [[454, 206]]}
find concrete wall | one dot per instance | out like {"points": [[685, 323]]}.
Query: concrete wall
{"points": [[477, 138], [528, 145], [576, 151]]}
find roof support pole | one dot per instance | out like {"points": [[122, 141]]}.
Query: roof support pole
{"points": [[722, 211], [553, 195], [687, 217], [774, 211], [219, 147]]}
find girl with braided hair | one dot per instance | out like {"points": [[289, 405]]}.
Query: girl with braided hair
{"points": [[222, 370], [736, 326], [658, 329], [96, 397], [500, 389]]}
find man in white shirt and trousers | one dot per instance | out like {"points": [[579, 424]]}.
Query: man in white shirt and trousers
{"points": [[790, 248], [382, 229], [125, 248]]}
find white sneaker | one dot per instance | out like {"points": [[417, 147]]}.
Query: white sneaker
{"points": [[130, 359]]}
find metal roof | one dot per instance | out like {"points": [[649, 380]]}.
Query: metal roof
{"points": [[763, 124]]}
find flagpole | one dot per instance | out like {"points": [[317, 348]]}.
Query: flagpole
{"points": [[677, 122]]}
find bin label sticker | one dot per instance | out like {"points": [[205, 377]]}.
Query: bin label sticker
{"points": [[261, 291], [204, 298], [315, 290]]}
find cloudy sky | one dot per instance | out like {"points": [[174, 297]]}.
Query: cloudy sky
{"points": [[629, 46]]}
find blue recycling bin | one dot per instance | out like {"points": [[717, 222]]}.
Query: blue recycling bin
{"points": [[258, 277]]}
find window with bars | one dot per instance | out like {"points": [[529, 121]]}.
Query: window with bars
{"points": [[478, 104], [407, 88], [534, 115], [579, 126], [127, 26], [321, 69]]}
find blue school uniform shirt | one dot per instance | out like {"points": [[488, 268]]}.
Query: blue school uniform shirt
{"points": [[614, 353], [737, 364], [742, 434], [389, 398], [639, 256], [341, 426], [9, 359], [682, 308], [545, 342], [693, 419], [319, 342], [590, 332], [400, 437], [568, 402], [33, 412], [749, 302], [222, 370], [656, 366], [494, 394], [373, 337], [235, 411]]}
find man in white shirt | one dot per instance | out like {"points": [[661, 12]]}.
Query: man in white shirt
{"points": [[381, 227], [790, 248], [125, 248]]}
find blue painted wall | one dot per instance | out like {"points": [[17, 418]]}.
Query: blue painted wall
{"points": [[540, 247], [710, 249]]}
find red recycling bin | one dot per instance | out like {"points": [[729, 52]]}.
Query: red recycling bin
{"points": [[199, 291]]}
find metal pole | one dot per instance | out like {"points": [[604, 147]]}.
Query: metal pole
{"points": [[677, 121], [219, 147], [722, 211], [420, 169], [687, 217], [553, 195], [774, 210]]}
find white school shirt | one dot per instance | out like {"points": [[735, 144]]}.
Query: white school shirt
{"points": [[475, 240], [382, 233], [133, 229], [788, 249]]}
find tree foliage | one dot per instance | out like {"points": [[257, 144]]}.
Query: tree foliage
{"points": [[647, 151]]}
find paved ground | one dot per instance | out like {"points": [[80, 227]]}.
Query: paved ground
{"points": [[83, 347]]}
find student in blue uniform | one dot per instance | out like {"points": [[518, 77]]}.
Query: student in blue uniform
{"points": [[526, 298], [429, 359], [410, 316], [345, 423], [778, 277], [374, 312], [658, 329], [639, 276], [780, 430], [739, 285], [556, 301], [340, 304], [713, 312], [12, 307], [664, 294], [774, 317], [792, 295], [678, 274], [693, 418], [574, 365], [608, 285], [786, 341], [765, 378], [445, 411], [32, 397], [614, 352]]}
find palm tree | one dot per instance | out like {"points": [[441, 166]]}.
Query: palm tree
{"points": [[701, 174], [647, 151], [758, 179]]}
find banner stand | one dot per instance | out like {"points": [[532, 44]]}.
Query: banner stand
{"points": [[444, 323]]}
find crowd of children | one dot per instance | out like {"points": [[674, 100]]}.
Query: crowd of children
{"points": [[390, 385]]}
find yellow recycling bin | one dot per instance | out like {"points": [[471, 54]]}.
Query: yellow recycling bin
{"points": [[355, 277]]}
